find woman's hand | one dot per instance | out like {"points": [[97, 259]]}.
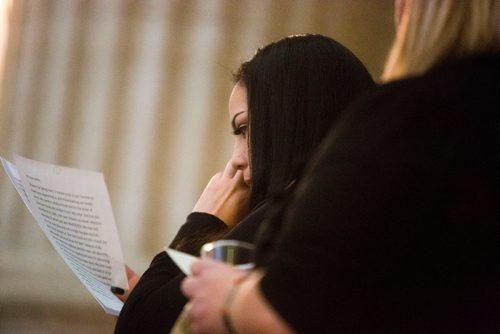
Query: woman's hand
{"points": [[226, 196], [133, 278], [207, 289]]}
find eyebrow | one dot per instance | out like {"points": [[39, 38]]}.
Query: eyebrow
{"points": [[233, 121]]}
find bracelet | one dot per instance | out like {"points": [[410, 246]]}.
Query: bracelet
{"points": [[227, 304]]}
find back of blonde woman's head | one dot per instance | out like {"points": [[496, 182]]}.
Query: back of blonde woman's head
{"points": [[432, 32]]}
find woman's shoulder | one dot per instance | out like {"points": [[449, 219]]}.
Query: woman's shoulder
{"points": [[461, 86], [443, 103], [475, 75]]}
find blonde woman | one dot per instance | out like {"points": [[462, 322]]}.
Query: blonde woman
{"points": [[395, 226]]}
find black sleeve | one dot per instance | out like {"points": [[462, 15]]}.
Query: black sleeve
{"points": [[375, 239], [156, 301], [194, 233]]}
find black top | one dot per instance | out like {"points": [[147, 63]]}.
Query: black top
{"points": [[396, 227], [156, 301]]}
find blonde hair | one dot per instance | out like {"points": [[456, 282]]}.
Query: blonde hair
{"points": [[431, 32]]}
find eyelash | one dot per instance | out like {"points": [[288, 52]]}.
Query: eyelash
{"points": [[239, 131]]}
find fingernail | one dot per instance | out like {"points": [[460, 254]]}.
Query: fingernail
{"points": [[117, 291]]}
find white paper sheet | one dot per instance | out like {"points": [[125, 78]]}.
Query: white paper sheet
{"points": [[15, 178], [73, 209], [182, 260]]}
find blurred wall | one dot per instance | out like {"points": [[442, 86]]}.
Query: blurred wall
{"points": [[136, 89]]}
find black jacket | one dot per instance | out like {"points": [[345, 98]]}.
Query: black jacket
{"points": [[156, 301], [396, 226]]}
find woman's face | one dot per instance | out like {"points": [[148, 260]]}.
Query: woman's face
{"points": [[238, 116]]}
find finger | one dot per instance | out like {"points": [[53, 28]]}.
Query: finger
{"points": [[238, 175], [129, 271], [122, 294], [187, 286], [191, 318], [229, 171], [131, 274], [196, 267], [117, 290], [214, 178]]}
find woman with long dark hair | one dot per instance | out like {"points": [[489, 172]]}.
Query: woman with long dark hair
{"points": [[285, 100]]}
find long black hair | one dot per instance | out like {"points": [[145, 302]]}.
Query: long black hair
{"points": [[296, 88]]}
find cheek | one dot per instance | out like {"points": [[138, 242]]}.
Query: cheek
{"points": [[244, 151], [247, 173], [240, 151]]}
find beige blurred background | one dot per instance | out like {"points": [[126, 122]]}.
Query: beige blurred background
{"points": [[137, 90]]}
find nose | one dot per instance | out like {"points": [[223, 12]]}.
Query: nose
{"points": [[239, 158]]}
